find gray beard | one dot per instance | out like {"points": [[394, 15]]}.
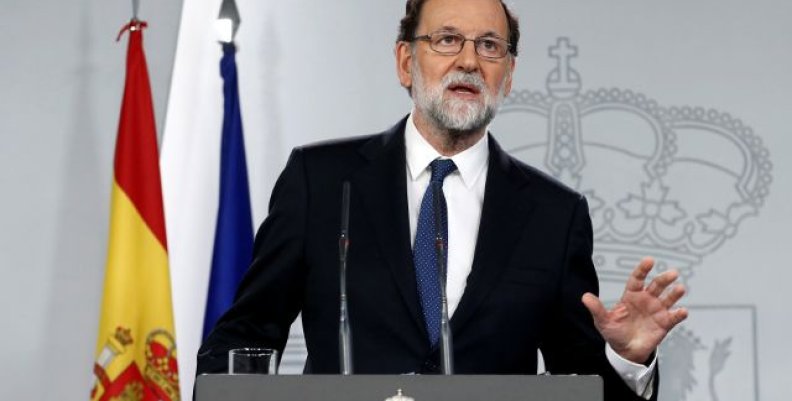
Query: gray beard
{"points": [[459, 118]]}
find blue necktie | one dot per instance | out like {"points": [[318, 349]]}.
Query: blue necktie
{"points": [[424, 252]]}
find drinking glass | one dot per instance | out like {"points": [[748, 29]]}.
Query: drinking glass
{"points": [[253, 361]]}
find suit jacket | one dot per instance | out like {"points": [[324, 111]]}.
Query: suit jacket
{"points": [[531, 266]]}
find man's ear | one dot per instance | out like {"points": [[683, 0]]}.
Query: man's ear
{"points": [[404, 55]]}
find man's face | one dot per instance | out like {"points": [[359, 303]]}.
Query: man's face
{"points": [[461, 92]]}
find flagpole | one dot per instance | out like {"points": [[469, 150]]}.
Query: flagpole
{"points": [[228, 21], [135, 8]]}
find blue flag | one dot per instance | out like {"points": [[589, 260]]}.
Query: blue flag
{"points": [[233, 244]]}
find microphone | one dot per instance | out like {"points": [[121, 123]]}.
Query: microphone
{"points": [[344, 330], [446, 348]]}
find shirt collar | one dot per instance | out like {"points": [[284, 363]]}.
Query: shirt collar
{"points": [[470, 163]]}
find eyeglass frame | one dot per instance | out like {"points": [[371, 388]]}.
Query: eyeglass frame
{"points": [[476, 41]]}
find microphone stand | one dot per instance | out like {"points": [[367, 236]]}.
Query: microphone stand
{"points": [[446, 348], [344, 330]]}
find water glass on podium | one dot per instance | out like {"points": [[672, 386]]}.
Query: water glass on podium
{"points": [[253, 361]]}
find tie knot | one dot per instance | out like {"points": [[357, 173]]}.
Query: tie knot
{"points": [[442, 168]]}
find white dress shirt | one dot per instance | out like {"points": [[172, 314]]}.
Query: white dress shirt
{"points": [[464, 193]]}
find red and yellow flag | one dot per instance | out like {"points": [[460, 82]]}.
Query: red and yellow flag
{"points": [[136, 348]]}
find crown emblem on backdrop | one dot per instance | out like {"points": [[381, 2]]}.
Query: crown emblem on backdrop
{"points": [[672, 182]]}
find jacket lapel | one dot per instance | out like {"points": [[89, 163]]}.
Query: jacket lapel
{"points": [[382, 185], [503, 218]]}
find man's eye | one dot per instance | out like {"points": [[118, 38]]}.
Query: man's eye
{"points": [[448, 40], [488, 44]]}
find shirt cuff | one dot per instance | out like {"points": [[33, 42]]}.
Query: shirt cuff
{"points": [[638, 377]]}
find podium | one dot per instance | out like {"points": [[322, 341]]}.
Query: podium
{"points": [[381, 387]]}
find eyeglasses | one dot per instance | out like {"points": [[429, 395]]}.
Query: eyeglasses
{"points": [[451, 44]]}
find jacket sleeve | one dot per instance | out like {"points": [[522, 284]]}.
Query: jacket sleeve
{"points": [[572, 345], [270, 295]]}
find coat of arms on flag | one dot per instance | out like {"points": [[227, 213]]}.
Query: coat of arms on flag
{"points": [[159, 379]]}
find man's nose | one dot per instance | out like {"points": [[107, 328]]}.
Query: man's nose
{"points": [[468, 60]]}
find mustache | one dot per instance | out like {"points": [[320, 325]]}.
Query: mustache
{"points": [[463, 78]]}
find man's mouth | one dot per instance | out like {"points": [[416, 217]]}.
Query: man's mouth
{"points": [[464, 89]]}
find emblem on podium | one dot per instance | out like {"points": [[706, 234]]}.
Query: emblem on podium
{"points": [[399, 397]]}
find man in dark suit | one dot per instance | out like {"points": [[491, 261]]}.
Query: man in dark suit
{"points": [[520, 276]]}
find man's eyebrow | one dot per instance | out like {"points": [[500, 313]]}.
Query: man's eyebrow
{"points": [[452, 29], [491, 34], [447, 28]]}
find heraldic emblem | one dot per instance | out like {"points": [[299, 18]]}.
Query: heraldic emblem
{"points": [[151, 376], [672, 182]]}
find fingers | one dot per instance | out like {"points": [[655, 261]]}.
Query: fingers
{"points": [[636, 280], [595, 307], [661, 282], [677, 316], [673, 295]]}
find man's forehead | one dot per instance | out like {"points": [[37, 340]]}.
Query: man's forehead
{"points": [[477, 17]]}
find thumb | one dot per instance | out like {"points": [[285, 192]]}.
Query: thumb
{"points": [[595, 307]]}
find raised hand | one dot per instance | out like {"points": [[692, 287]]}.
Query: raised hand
{"points": [[636, 325]]}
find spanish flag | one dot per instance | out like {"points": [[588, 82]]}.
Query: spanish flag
{"points": [[136, 348]]}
